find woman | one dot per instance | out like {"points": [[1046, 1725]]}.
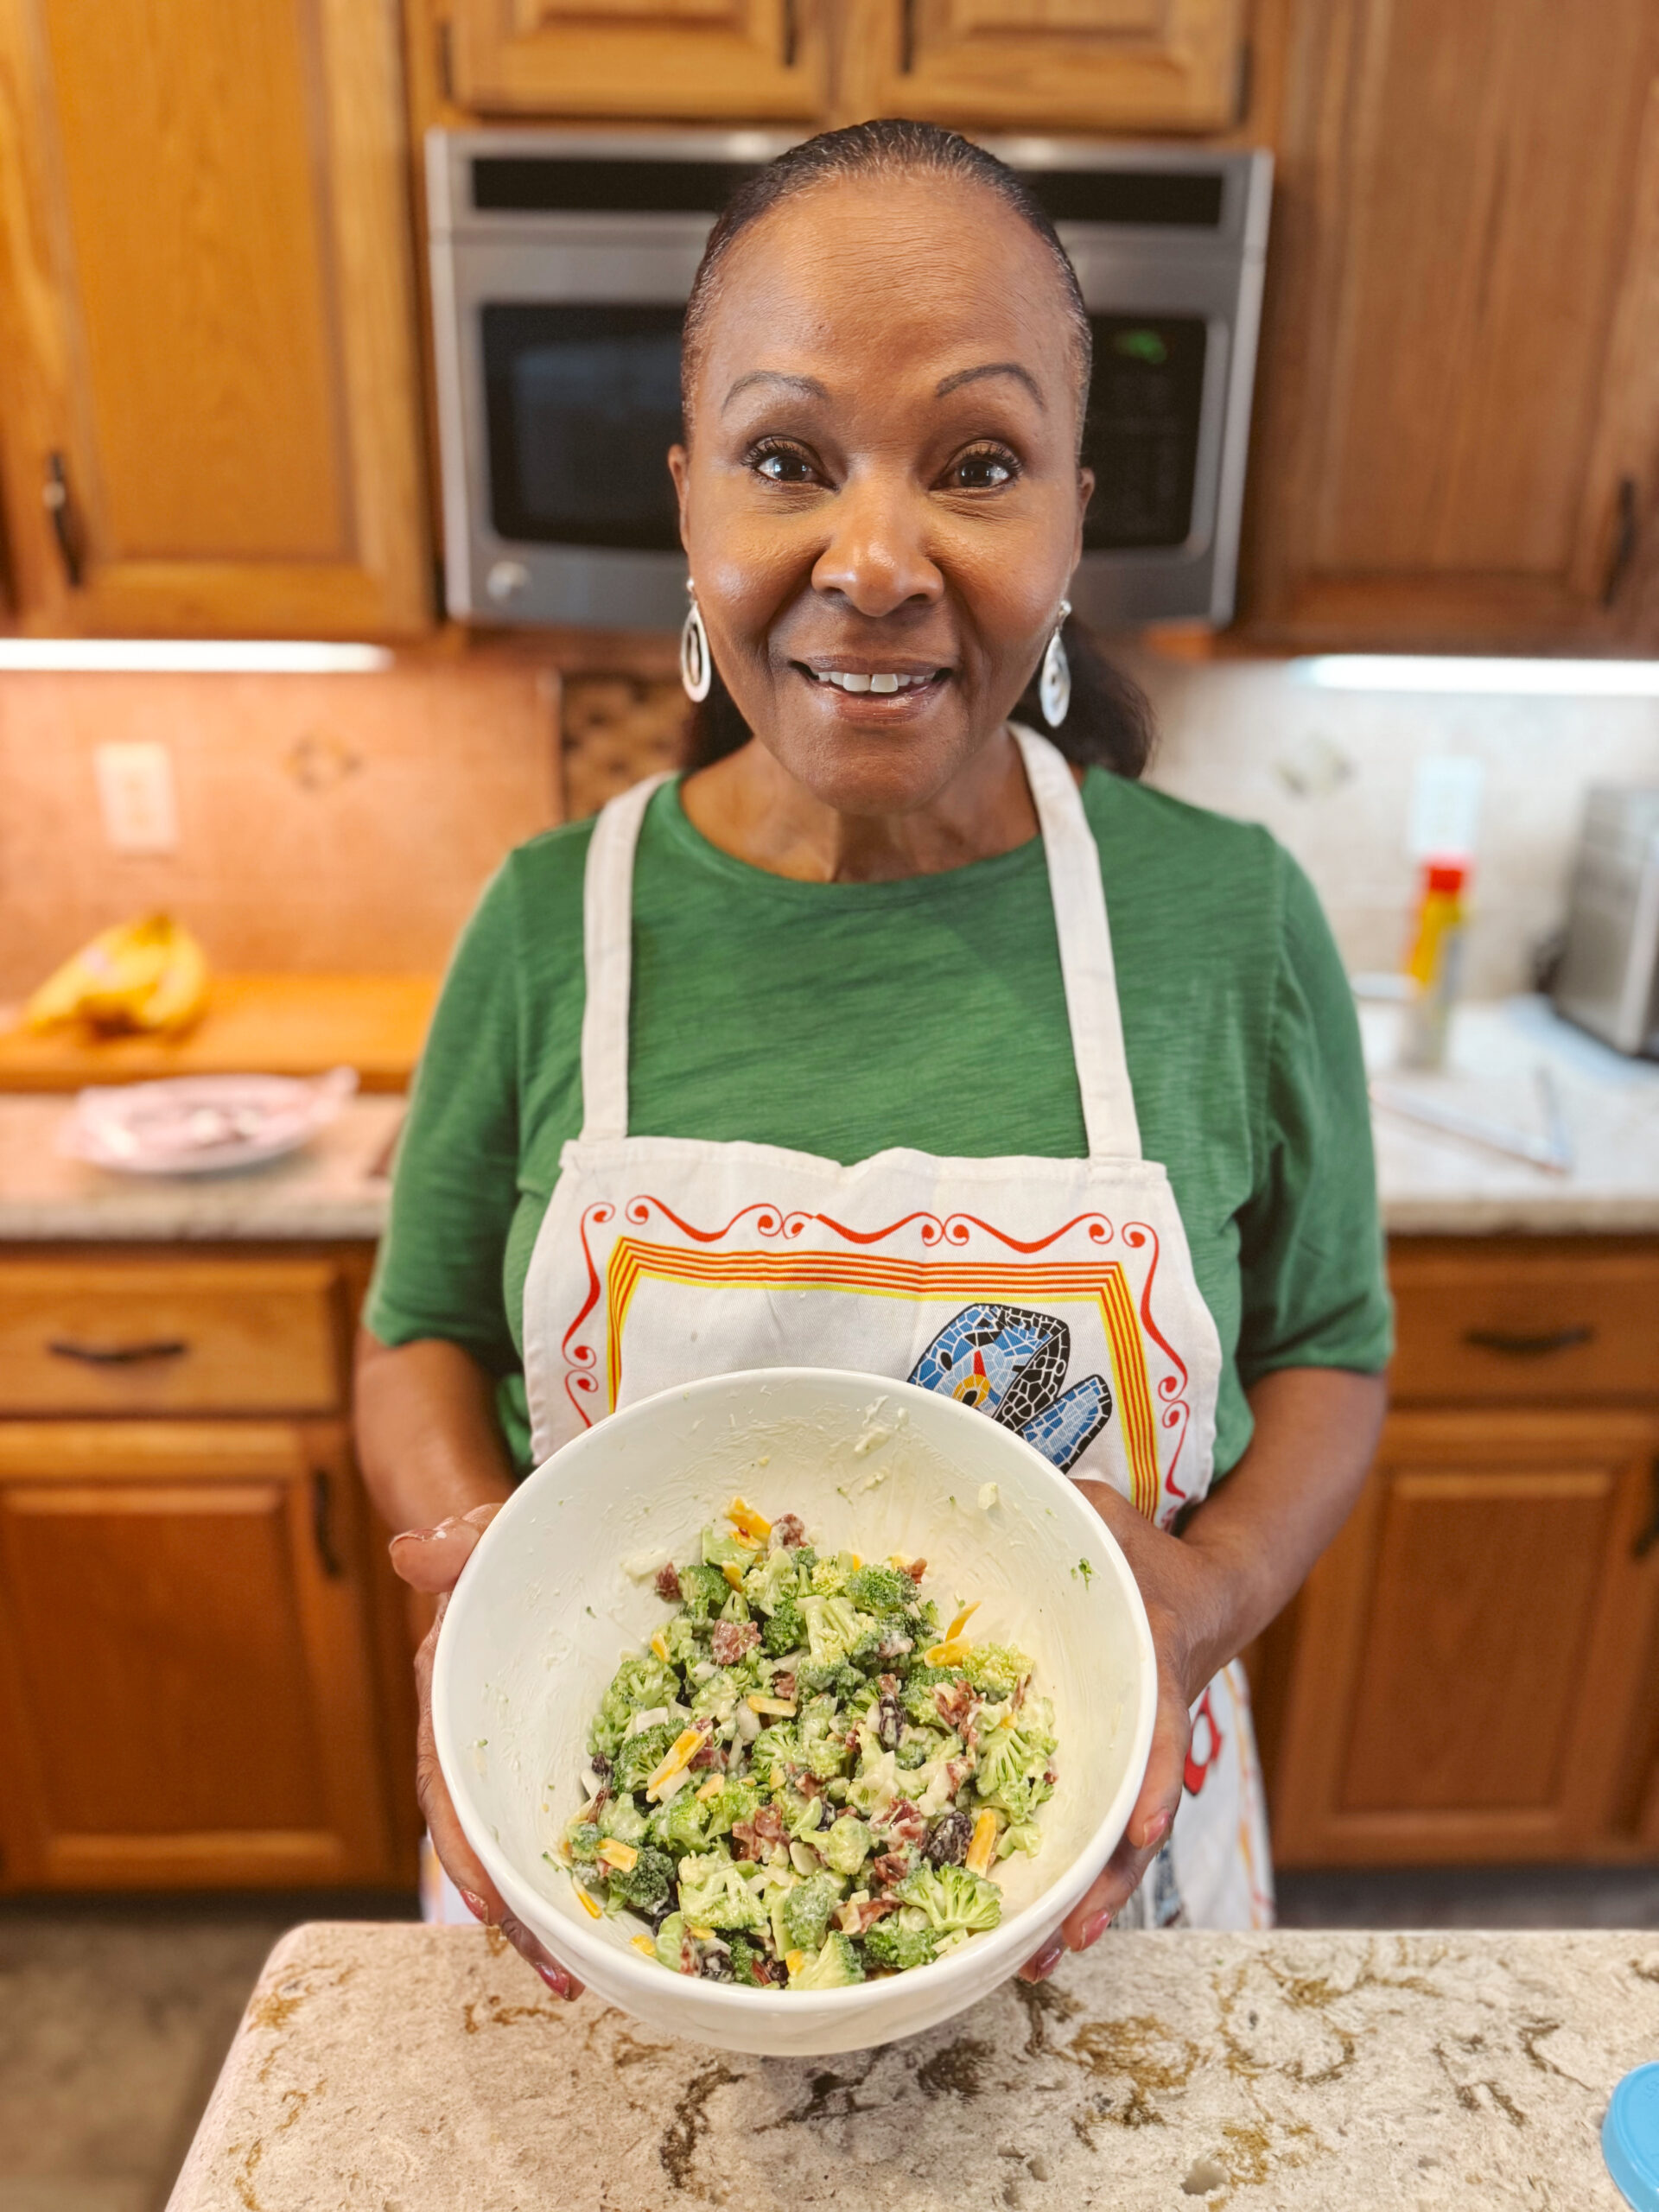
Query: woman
{"points": [[846, 1002]]}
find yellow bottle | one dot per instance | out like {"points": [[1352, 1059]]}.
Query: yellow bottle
{"points": [[1434, 964]]}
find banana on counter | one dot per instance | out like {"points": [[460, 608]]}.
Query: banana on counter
{"points": [[148, 975]]}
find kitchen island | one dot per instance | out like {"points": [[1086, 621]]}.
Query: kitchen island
{"points": [[423, 2068]]}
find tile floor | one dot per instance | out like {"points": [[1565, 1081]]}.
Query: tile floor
{"points": [[115, 2014]]}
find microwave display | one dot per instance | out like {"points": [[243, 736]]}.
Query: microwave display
{"points": [[1140, 435], [583, 403]]}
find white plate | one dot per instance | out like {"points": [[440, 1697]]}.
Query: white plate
{"points": [[547, 1605], [200, 1124]]}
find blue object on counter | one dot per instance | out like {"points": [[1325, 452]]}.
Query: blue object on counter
{"points": [[1629, 2138]]}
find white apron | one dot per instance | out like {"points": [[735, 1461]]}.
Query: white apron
{"points": [[1057, 1295]]}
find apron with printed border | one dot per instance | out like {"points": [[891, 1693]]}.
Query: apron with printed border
{"points": [[1057, 1296]]}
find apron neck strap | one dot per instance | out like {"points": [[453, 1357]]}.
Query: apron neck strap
{"points": [[1085, 942], [607, 949], [1080, 925]]}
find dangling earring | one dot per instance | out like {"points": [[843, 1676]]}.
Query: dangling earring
{"points": [[1054, 685], [697, 668]]}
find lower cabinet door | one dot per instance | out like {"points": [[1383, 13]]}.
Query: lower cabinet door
{"points": [[187, 1689], [1467, 1675]]}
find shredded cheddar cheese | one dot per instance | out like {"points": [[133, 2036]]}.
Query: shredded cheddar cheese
{"points": [[589, 1906], [747, 1521], [961, 1622], [679, 1756], [659, 1645], [981, 1849], [734, 1575], [784, 1708], [644, 1945], [617, 1854]]}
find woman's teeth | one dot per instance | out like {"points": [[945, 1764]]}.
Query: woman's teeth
{"points": [[848, 681]]}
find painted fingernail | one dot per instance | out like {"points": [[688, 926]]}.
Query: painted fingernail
{"points": [[1155, 1830], [1094, 1929], [1047, 1959], [475, 1905], [555, 1980]]}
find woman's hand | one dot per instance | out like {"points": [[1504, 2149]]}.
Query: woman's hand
{"points": [[431, 1560], [1174, 1584]]}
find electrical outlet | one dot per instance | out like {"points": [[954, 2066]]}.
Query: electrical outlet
{"points": [[135, 797]]}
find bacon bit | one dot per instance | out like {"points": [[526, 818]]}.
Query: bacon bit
{"points": [[953, 1702], [668, 1585], [706, 1756], [730, 1640], [783, 1686], [891, 1867], [809, 1786], [887, 1684], [745, 1837], [906, 1820], [917, 1569], [790, 1530], [858, 1915], [769, 1824]]}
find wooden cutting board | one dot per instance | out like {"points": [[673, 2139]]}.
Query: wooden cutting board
{"points": [[269, 1024]]}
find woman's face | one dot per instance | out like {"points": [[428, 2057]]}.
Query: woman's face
{"points": [[881, 479]]}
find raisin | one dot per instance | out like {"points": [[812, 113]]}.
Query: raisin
{"points": [[889, 1723], [949, 1839]]}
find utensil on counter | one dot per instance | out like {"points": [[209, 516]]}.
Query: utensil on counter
{"points": [[560, 1585], [1553, 1151], [200, 1124]]}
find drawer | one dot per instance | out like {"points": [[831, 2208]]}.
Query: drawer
{"points": [[170, 1336], [1534, 1319]]}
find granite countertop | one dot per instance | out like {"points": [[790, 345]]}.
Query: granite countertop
{"points": [[425, 2068], [1430, 1184]]}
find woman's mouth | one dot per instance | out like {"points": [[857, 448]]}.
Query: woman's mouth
{"points": [[874, 693]]}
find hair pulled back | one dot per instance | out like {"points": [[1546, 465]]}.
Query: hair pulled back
{"points": [[1110, 723]]}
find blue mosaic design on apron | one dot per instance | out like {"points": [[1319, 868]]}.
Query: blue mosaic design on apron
{"points": [[1010, 1363]]}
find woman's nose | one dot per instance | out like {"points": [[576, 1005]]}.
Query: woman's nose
{"points": [[877, 558]]}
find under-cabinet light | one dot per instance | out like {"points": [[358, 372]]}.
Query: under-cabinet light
{"points": [[189, 656], [1601, 679]]}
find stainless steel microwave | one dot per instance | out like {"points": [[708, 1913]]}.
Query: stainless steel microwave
{"points": [[561, 261]]}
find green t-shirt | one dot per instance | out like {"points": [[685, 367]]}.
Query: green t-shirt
{"points": [[843, 1019]]}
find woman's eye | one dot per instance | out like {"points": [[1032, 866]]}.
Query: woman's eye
{"points": [[782, 465], [980, 471]]}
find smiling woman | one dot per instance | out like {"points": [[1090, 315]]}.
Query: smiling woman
{"points": [[827, 1054]]}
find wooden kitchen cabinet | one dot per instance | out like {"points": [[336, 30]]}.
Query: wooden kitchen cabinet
{"points": [[1053, 65], [203, 1663], [1457, 429], [1469, 1673], [210, 420]]}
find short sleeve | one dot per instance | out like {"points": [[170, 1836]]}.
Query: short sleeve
{"points": [[454, 1187], [1315, 1293]]}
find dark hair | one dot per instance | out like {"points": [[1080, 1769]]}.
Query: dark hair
{"points": [[1109, 724]]}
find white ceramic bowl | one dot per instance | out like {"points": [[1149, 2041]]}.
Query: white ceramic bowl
{"points": [[547, 1606]]}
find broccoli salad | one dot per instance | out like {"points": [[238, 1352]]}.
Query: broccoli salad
{"points": [[801, 1782]]}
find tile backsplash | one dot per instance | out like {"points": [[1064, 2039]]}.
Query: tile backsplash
{"points": [[347, 822]]}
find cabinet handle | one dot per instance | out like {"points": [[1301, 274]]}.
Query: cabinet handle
{"points": [[1625, 535], [118, 1355], [907, 38], [322, 1525], [791, 33], [1514, 1347], [54, 497], [1650, 1537]]}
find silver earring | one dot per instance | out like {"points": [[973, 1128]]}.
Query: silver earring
{"points": [[697, 668], [1054, 685]]}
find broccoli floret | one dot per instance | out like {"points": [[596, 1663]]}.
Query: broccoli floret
{"points": [[899, 1948], [680, 1824], [737, 1800], [645, 1883], [785, 1628], [806, 1911], [584, 1839], [1011, 1770], [801, 1817], [638, 1683], [834, 1625], [687, 1641], [1019, 1835], [995, 1670], [723, 1548], [778, 1745], [622, 1819], [736, 1607], [670, 1942], [919, 1685], [847, 1846], [724, 1688], [881, 1589], [829, 1576], [836, 1966], [824, 1743], [705, 1590], [952, 1898], [770, 1583], [748, 1963], [837, 1679], [637, 1758], [713, 1894]]}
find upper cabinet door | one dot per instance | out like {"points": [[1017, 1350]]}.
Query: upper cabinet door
{"points": [[698, 60], [209, 420], [1051, 65], [1458, 426]]}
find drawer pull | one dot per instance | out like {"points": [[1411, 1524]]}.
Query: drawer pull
{"points": [[1650, 1537], [322, 1525], [1516, 1347], [118, 1355]]}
